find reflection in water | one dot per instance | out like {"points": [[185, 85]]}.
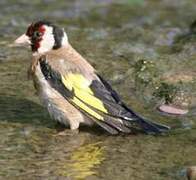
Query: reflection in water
{"points": [[83, 161]]}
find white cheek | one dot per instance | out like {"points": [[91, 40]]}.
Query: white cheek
{"points": [[48, 41], [64, 40]]}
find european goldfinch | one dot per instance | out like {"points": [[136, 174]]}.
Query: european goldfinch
{"points": [[70, 88]]}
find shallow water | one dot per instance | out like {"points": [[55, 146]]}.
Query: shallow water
{"points": [[136, 45]]}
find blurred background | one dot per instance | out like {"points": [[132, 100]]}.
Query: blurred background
{"points": [[145, 48]]}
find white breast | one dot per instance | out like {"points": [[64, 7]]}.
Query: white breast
{"points": [[48, 96], [58, 107]]}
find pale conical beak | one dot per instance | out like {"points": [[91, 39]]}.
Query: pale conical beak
{"points": [[22, 40]]}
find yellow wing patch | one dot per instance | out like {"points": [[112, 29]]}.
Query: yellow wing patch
{"points": [[80, 85], [86, 108]]}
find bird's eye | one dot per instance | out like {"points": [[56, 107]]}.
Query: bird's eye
{"points": [[37, 34]]}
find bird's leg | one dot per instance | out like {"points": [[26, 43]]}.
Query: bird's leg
{"points": [[74, 130]]}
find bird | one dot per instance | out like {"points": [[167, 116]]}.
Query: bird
{"points": [[72, 90]]}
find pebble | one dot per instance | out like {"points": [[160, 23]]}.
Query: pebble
{"points": [[191, 173], [172, 110]]}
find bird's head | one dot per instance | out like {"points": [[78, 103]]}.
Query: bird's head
{"points": [[43, 36]]}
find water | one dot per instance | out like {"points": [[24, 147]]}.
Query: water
{"points": [[114, 37]]}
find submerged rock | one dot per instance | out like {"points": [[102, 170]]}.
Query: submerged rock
{"points": [[167, 36]]}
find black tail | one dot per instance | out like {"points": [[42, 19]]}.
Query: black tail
{"points": [[131, 117], [147, 126]]}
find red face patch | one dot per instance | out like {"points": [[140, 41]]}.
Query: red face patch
{"points": [[35, 32], [42, 29]]}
